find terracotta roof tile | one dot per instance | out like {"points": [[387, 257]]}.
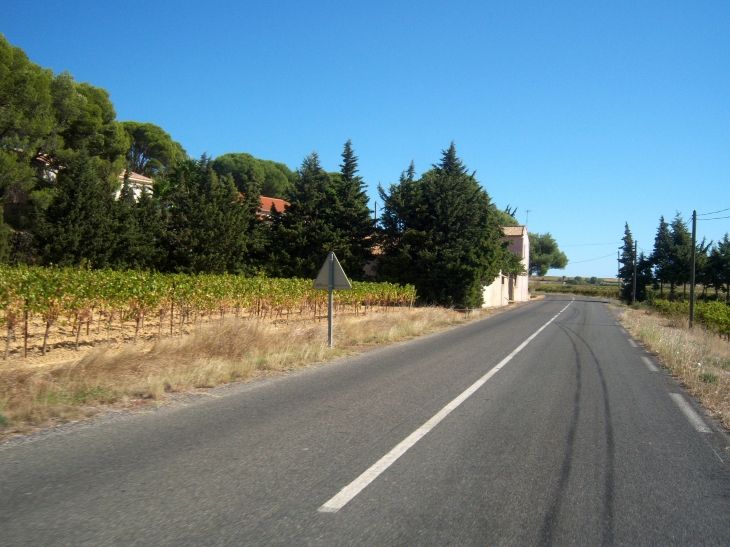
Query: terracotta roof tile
{"points": [[136, 178], [267, 202], [514, 230]]}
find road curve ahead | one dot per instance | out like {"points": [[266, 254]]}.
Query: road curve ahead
{"points": [[578, 438]]}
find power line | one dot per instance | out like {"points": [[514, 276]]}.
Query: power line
{"points": [[712, 213], [592, 259], [590, 244], [715, 218]]}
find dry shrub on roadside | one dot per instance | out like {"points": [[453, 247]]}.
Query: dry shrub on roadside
{"points": [[699, 358], [233, 350]]}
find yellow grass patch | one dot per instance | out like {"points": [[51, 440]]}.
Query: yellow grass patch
{"points": [[34, 394]]}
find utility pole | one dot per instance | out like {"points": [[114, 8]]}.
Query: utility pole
{"points": [[692, 275], [618, 275], [633, 294]]}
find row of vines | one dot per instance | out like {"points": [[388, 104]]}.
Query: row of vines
{"points": [[598, 291], [714, 315], [101, 299]]}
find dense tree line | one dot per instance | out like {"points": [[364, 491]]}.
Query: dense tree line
{"points": [[667, 270], [63, 153]]}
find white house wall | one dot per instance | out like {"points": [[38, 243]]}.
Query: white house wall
{"points": [[496, 294]]}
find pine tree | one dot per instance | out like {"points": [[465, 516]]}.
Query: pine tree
{"points": [[352, 222], [79, 224], [440, 233]]}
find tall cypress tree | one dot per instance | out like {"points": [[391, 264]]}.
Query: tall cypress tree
{"points": [[210, 223], [644, 276], [307, 231], [79, 224], [352, 222], [719, 265], [441, 234], [681, 256], [661, 256], [142, 231], [626, 271]]}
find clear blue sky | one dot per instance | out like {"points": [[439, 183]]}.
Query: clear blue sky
{"points": [[589, 114]]}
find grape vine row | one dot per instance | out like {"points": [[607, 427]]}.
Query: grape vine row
{"points": [[106, 297]]}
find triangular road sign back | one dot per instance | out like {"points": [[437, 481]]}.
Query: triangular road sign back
{"points": [[331, 275]]}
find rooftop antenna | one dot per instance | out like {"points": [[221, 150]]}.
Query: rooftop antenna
{"points": [[527, 215]]}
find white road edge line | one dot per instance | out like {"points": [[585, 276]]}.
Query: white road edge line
{"points": [[357, 486], [651, 366], [634, 344], [694, 418]]}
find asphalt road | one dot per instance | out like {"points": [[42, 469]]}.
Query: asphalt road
{"points": [[578, 439]]}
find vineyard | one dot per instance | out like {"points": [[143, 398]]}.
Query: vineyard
{"points": [[598, 291], [713, 315], [94, 305]]}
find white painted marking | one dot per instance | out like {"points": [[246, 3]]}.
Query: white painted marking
{"points": [[634, 344], [651, 366], [357, 486], [694, 418]]}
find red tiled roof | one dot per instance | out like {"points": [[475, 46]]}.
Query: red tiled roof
{"points": [[136, 178], [267, 202], [514, 230]]}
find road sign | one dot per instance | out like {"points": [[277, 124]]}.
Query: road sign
{"points": [[331, 277]]}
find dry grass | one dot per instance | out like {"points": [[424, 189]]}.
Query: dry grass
{"points": [[698, 358], [37, 395]]}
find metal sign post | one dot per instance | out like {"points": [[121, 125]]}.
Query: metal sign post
{"points": [[331, 276]]}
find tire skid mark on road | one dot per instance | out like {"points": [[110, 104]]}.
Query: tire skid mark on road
{"points": [[550, 522], [609, 474]]}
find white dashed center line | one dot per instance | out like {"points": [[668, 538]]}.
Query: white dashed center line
{"points": [[357, 486]]}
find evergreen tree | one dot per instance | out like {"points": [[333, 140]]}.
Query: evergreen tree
{"points": [[352, 222], [719, 265], [6, 235], [79, 224], [545, 254], [626, 271], [703, 273], [681, 255], [644, 277], [142, 231], [307, 232], [440, 233], [151, 150], [661, 256], [210, 223], [275, 179]]}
